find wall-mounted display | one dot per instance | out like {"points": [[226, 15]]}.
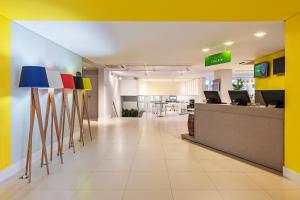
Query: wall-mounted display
{"points": [[261, 69], [279, 66]]}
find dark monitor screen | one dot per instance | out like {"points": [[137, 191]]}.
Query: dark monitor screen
{"points": [[192, 103], [240, 97], [274, 98], [212, 97], [279, 65]]}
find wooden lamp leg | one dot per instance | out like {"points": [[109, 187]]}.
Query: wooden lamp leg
{"points": [[29, 146], [35, 108], [46, 127], [75, 96], [41, 128], [85, 111], [88, 117], [61, 118], [71, 140], [54, 118], [51, 138], [63, 126], [51, 102], [65, 110]]}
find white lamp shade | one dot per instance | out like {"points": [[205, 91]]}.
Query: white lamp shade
{"points": [[54, 79]]}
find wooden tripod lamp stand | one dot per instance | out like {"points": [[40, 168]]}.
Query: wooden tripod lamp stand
{"points": [[68, 85], [75, 106], [55, 82], [34, 77], [85, 112]]}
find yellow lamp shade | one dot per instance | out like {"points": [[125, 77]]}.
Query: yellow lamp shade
{"points": [[87, 84]]}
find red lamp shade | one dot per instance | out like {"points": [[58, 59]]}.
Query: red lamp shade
{"points": [[68, 81]]}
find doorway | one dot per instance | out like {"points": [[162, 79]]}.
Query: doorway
{"points": [[92, 94]]}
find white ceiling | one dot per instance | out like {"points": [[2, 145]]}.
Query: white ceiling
{"points": [[162, 43]]}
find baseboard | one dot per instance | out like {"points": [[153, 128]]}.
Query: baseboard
{"points": [[292, 175], [20, 165]]}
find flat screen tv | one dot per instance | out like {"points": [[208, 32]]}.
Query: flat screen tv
{"points": [[261, 69], [279, 66], [173, 98]]}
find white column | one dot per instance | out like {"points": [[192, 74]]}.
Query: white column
{"points": [[225, 76], [109, 92], [201, 87], [101, 93]]}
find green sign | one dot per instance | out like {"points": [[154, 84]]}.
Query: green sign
{"points": [[218, 58]]}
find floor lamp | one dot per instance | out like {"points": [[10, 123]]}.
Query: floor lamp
{"points": [[85, 112], [55, 82], [75, 106], [68, 84], [34, 77]]}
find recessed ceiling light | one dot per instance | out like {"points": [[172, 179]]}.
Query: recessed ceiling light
{"points": [[228, 43], [205, 49], [260, 34]]}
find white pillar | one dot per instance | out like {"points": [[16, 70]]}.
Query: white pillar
{"points": [[201, 87], [109, 92], [225, 76], [101, 93]]}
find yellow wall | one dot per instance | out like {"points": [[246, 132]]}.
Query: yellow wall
{"points": [[272, 82], [5, 99], [154, 10], [160, 10], [292, 82]]}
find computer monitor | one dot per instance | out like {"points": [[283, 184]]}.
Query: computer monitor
{"points": [[191, 103], [239, 97], [212, 97], [172, 98], [273, 98]]}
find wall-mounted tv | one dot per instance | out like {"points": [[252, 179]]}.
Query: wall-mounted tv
{"points": [[261, 69], [279, 66]]}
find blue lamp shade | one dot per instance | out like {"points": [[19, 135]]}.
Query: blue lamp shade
{"points": [[78, 82], [33, 77]]}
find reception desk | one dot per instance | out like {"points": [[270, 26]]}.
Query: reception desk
{"points": [[253, 133]]}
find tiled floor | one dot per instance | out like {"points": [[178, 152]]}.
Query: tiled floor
{"points": [[145, 159]]}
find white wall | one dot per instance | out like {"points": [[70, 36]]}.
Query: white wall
{"points": [[170, 87], [109, 92], [28, 48], [129, 87], [226, 83]]}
